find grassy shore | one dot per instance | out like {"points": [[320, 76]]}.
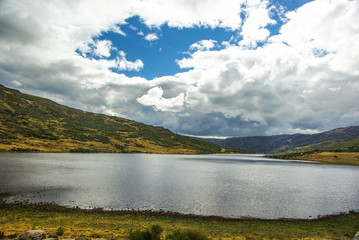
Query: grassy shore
{"points": [[18, 218], [339, 158]]}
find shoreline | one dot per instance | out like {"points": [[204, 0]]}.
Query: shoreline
{"points": [[159, 213], [117, 224]]}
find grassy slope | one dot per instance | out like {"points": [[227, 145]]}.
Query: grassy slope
{"points": [[341, 144], [16, 219], [342, 150], [29, 123]]}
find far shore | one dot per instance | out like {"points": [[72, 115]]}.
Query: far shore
{"points": [[336, 158], [321, 157], [14, 148]]}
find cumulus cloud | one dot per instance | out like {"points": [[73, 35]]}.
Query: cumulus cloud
{"points": [[151, 37], [118, 30], [185, 14], [303, 79], [154, 97], [99, 48], [203, 45], [123, 64], [284, 84], [257, 18], [103, 48]]}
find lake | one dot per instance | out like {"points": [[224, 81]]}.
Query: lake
{"points": [[228, 185]]}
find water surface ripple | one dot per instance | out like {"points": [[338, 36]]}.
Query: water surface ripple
{"points": [[220, 184]]}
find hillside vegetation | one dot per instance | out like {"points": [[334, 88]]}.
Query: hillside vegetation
{"points": [[321, 156], [339, 150], [29, 123]]}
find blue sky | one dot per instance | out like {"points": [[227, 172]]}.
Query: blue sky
{"points": [[198, 67], [159, 56], [172, 43]]}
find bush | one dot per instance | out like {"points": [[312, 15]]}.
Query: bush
{"points": [[60, 231], [187, 235], [156, 231], [153, 233], [83, 150]]}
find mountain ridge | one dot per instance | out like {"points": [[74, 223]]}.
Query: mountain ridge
{"points": [[294, 142]]}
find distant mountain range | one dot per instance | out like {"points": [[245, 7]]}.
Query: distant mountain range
{"points": [[340, 139], [29, 123]]}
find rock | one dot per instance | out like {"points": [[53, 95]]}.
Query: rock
{"points": [[33, 235]]}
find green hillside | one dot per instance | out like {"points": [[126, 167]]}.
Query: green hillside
{"points": [[341, 144], [341, 150], [29, 123]]}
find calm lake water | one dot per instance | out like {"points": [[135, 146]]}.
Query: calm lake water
{"points": [[223, 185]]}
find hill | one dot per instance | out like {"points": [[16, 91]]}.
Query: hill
{"points": [[340, 139], [30, 123]]}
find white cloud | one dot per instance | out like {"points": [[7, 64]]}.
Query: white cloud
{"points": [[212, 13], [334, 89], [203, 45], [154, 97], [303, 79], [151, 37], [123, 64], [333, 31], [118, 30], [284, 82], [257, 18], [103, 48], [16, 83]]}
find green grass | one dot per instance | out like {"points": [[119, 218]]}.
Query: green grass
{"points": [[18, 218]]}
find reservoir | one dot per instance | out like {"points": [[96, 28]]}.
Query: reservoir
{"points": [[228, 185]]}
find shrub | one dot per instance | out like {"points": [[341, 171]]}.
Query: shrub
{"points": [[187, 235], [60, 231], [83, 150], [156, 231], [153, 233]]}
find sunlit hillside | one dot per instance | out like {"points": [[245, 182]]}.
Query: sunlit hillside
{"points": [[29, 123]]}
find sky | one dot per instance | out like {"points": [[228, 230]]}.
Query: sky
{"points": [[213, 68]]}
